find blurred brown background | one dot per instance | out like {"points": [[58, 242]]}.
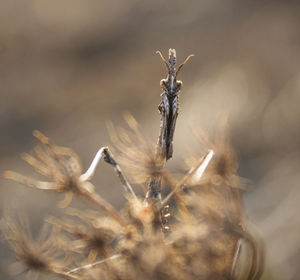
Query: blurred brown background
{"points": [[66, 67]]}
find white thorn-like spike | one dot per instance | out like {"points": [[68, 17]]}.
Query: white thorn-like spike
{"points": [[199, 172], [91, 170]]}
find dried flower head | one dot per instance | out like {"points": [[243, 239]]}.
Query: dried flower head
{"points": [[135, 152], [91, 234], [61, 165], [224, 166], [43, 255]]}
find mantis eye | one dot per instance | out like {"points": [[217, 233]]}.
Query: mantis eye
{"points": [[179, 84], [163, 83]]}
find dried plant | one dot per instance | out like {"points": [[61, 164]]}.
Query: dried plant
{"points": [[208, 236]]}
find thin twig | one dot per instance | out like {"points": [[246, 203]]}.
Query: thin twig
{"points": [[65, 275], [103, 204], [108, 158], [88, 266], [236, 256], [198, 172]]}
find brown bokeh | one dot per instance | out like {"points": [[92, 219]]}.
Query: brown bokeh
{"points": [[69, 66]]}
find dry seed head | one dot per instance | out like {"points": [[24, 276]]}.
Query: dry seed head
{"points": [[43, 255], [140, 213], [61, 165], [93, 234], [134, 152], [224, 165]]}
